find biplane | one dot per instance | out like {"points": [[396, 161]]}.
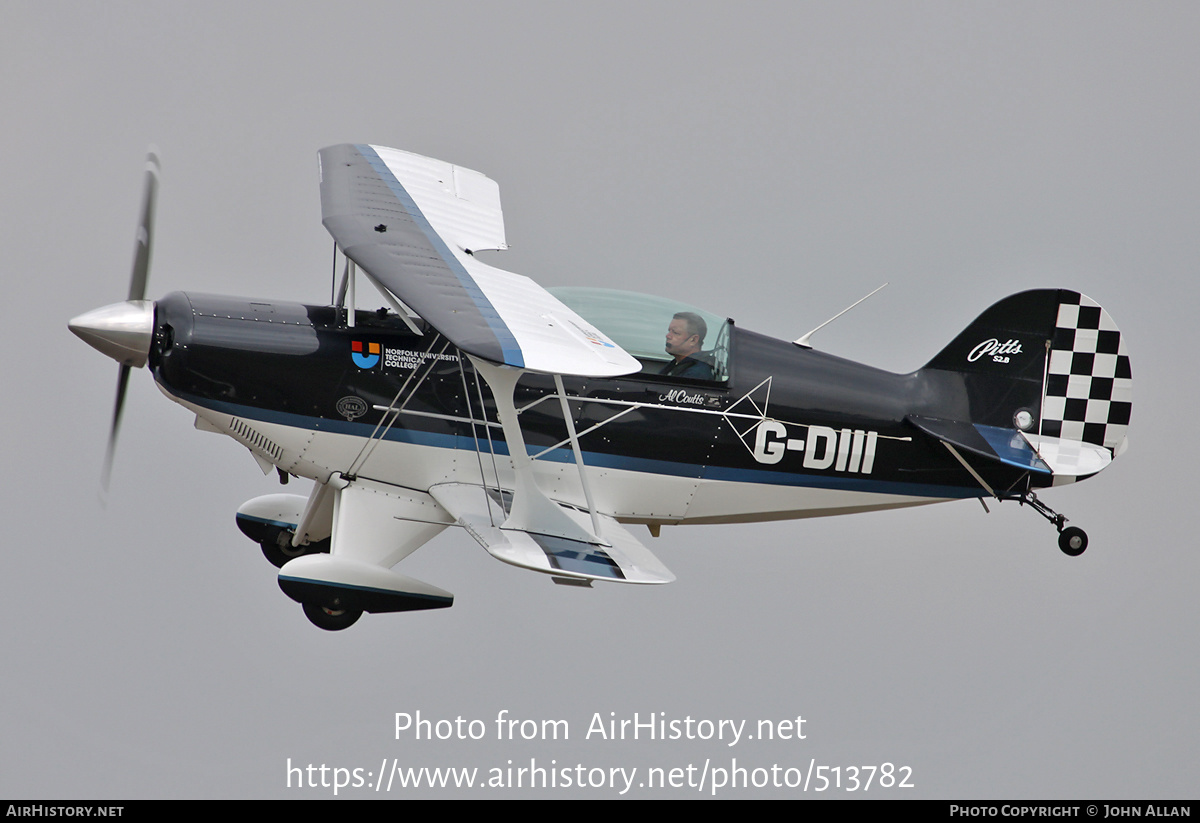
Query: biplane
{"points": [[548, 424]]}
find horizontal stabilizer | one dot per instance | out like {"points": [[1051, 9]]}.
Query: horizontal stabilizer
{"points": [[358, 585], [1007, 446], [1069, 458], [619, 557]]}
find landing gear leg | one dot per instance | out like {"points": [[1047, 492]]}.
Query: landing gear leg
{"points": [[1071, 539]]}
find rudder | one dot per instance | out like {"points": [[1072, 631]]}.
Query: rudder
{"points": [[1089, 385]]}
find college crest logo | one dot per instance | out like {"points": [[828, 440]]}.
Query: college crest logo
{"points": [[351, 407], [365, 355]]}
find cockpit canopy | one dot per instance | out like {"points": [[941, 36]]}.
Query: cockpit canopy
{"points": [[638, 323]]}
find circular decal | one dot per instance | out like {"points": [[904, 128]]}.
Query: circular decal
{"points": [[351, 407]]}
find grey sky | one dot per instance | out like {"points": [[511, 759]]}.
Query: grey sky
{"points": [[771, 162]]}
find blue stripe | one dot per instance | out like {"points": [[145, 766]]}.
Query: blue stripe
{"points": [[264, 521], [643, 465], [513, 355], [853, 484]]}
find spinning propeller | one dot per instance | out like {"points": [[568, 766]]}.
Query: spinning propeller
{"points": [[124, 331]]}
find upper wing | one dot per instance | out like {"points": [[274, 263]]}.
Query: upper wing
{"points": [[412, 223]]}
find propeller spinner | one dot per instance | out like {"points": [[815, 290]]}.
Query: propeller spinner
{"points": [[124, 331]]}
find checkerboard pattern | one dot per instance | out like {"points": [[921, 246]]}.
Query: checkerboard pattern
{"points": [[1089, 388]]}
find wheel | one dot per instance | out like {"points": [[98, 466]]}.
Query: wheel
{"points": [[331, 618], [1072, 541], [278, 549]]}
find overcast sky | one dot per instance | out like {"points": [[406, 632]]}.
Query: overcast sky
{"points": [[772, 162]]}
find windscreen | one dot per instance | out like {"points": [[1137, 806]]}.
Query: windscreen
{"points": [[639, 323]]}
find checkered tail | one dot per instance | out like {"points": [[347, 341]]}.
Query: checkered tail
{"points": [[1089, 387]]}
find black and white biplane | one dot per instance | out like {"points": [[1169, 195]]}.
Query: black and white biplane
{"points": [[546, 423]]}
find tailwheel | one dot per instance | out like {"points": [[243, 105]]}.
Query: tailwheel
{"points": [[331, 616], [1073, 541]]}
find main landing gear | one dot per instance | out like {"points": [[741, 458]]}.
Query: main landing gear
{"points": [[1071, 539], [331, 616]]}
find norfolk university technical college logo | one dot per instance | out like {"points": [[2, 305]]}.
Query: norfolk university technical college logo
{"points": [[365, 355], [368, 355]]}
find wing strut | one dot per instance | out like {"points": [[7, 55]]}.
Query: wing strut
{"points": [[532, 511], [347, 290], [487, 430], [462, 373], [570, 421]]}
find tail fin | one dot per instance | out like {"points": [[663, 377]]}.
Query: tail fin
{"points": [[1051, 364]]}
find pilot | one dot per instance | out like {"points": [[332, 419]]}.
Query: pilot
{"points": [[685, 338]]}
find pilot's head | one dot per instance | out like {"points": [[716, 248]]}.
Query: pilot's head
{"points": [[685, 335]]}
